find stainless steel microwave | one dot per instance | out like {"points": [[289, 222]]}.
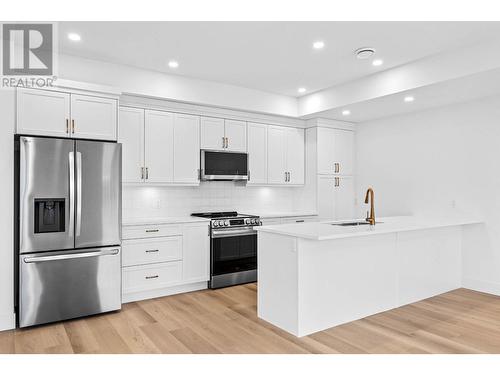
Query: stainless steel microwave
{"points": [[223, 166]]}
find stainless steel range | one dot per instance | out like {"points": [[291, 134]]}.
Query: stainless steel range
{"points": [[233, 248]]}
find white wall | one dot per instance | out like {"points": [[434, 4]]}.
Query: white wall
{"points": [[211, 196], [149, 83], [441, 161], [7, 102]]}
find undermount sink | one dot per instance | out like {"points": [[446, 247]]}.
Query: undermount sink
{"points": [[353, 223]]}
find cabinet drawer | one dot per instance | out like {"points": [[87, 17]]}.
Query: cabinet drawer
{"points": [[153, 276], [301, 219], [154, 250], [273, 221], [148, 231]]}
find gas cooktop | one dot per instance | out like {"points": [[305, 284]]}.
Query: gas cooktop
{"points": [[219, 215]]}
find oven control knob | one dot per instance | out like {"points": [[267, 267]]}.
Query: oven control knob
{"points": [[221, 223], [226, 223], [247, 221], [253, 221], [215, 224]]}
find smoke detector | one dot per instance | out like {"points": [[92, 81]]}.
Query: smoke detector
{"points": [[364, 53]]}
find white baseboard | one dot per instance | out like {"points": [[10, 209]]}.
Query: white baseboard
{"points": [[7, 321], [163, 292], [481, 286]]}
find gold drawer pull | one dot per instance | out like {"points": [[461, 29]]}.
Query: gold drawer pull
{"points": [[152, 230], [151, 277], [152, 251]]}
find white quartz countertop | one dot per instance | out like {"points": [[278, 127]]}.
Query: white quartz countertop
{"points": [[162, 220], [326, 231], [276, 214]]}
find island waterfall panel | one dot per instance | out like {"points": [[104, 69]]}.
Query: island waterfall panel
{"points": [[308, 285]]}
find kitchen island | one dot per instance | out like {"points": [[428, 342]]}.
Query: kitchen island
{"points": [[313, 276]]}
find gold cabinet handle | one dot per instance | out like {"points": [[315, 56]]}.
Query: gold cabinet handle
{"points": [[286, 177], [73, 126], [147, 173], [142, 173], [67, 126], [227, 142], [223, 142]]}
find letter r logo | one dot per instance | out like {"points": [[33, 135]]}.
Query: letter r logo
{"points": [[27, 49]]}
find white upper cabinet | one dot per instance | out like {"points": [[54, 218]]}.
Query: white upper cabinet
{"points": [[212, 133], [131, 136], [276, 155], [158, 147], [336, 197], [93, 117], [335, 151], [43, 113], [223, 135], [61, 114], [257, 154], [285, 157], [186, 148], [295, 156], [236, 135]]}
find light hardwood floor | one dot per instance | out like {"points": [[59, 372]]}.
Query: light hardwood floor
{"points": [[225, 321]]}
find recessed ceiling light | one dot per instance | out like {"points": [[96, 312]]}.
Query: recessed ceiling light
{"points": [[364, 53], [301, 90], [346, 112], [318, 44], [173, 64], [74, 37], [409, 99], [377, 62]]}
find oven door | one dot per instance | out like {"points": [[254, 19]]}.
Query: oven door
{"points": [[223, 166], [233, 256]]}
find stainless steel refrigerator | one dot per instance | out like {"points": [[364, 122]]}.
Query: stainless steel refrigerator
{"points": [[68, 228]]}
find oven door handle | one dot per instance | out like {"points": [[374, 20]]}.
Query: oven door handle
{"points": [[233, 232]]}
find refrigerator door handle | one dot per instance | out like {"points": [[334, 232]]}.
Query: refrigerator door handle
{"points": [[71, 162], [78, 192], [89, 254]]}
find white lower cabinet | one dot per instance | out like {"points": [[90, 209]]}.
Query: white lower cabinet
{"points": [[289, 220], [154, 250], [151, 276], [159, 260]]}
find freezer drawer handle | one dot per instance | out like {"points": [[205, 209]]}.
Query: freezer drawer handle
{"points": [[151, 277], [71, 256]]}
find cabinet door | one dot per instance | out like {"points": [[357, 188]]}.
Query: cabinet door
{"points": [[295, 156], [236, 135], [43, 112], [93, 117], [186, 148], [131, 136], [326, 154], [257, 154], [196, 253], [276, 155], [344, 198], [326, 197], [158, 146], [335, 198], [344, 151], [212, 133]]}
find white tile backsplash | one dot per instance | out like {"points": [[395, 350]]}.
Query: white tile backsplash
{"points": [[161, 201]]}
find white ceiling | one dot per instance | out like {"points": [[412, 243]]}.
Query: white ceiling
{"points": [[271, 56], [459, 90]]}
